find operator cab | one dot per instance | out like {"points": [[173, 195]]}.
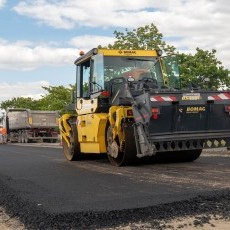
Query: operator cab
{"points": [[102, 73]]}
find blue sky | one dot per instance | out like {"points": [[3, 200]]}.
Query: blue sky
{"points": [[40, 39]]}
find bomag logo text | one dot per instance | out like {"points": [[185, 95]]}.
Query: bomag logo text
{"points": [[129, 52], [195, 109]]}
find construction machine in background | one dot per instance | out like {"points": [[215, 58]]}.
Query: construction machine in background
{"points": [[25, 125], [130, 105]]}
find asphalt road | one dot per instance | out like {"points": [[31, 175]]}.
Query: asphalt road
{"points": [[42, 177]]}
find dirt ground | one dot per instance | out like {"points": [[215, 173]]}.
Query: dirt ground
{"points": [[188, 223], [184, 224], [7, 223]]}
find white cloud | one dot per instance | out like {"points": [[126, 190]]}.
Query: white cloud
{"points": [[70, 13], [195, 23], [186, 24], [22, 89], [23, 55], [27, 56], [2, 3], [86, 42]]}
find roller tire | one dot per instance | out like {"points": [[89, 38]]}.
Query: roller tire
{"points": [[178, 156], [72, 152], [189, 155], [128, 155]]}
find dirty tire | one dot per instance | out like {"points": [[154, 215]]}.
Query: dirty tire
{"points": [[189, 155], [128, 155], [178, 156], [72, 152]]}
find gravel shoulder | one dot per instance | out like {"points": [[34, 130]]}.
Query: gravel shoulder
{"points": [[187, 223], [202, 212]]}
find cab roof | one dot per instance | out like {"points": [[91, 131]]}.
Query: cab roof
{"points": [[118, 53]]}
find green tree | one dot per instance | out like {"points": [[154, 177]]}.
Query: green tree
{"points": [[200, 67], [57, 98], [20, 102], [194, 69], [147, 37]]}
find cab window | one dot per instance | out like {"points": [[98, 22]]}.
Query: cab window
{"points": [[83, 76], [171, 70], [97, 75]]}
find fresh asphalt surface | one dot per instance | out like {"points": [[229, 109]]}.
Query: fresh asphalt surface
{"points": [[41, 176]]}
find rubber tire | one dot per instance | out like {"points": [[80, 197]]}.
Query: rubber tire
{"points": [[19, 138], [178, 156], [189, 155], [26, 139], [22, 138], [72, 152], [114, 161], [128, 156]]}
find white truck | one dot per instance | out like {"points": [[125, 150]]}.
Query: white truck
{"points": [[25, 125]]}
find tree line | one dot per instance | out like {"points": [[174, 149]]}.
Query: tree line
{"points": [[56, 98], [194, 68]]}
